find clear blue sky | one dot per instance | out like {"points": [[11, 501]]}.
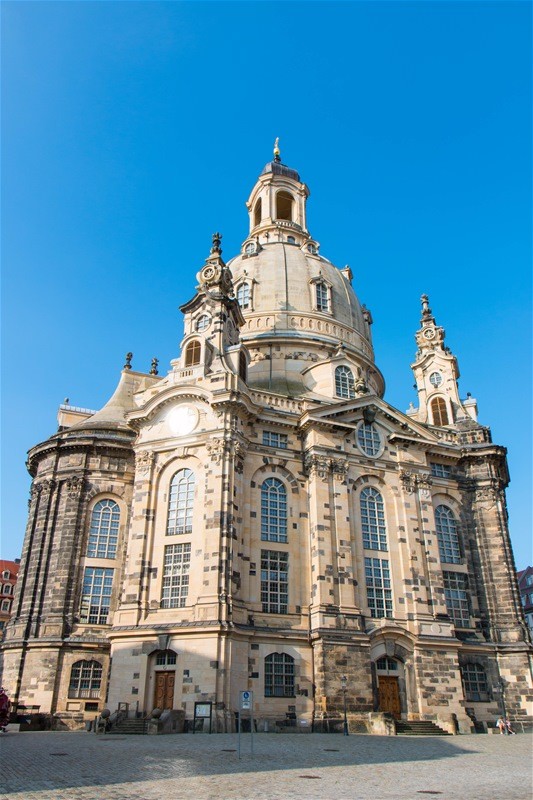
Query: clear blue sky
{"points": [[132, 131]]}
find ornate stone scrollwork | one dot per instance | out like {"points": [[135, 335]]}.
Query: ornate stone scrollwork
{"points": [[317, 465], [74, 485], [144, 460], [489, 493], [339, 467], [45, 487], [411, 481], [408, 481]]}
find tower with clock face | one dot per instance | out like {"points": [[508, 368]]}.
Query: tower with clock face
{"points": [[260, 518]]}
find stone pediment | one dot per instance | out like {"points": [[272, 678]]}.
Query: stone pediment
{"points": [[369, 407]]}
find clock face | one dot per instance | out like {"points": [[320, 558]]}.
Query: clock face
{"points": [[182, 420], [429, 333]]}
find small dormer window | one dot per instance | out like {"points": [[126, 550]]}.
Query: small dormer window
{"points": [[312, 248], [291, 240], [435, 379], [344, 383], [203, 323], [243, 295], [250, 248], [322, 296]]}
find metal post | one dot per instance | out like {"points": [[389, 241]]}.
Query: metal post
{"points": [[239, 734], [343, 687]]}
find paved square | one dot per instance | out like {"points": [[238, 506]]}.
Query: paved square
{"points": [[82, 766]]}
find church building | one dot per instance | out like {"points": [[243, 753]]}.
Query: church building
{"points": [[260, 518]]}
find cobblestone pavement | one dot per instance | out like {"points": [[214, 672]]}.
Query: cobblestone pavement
{"points": [[82, 766]]}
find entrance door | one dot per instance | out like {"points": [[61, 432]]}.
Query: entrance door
{"points": [[164, 690], [389, 695]]}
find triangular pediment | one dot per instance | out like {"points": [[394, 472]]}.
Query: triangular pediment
{"points": [[350, 413]]}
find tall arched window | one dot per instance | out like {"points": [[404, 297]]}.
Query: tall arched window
{"points": [[344, 383], [273, 511], [257, 213], [322, 296], [284, 203], [475, 683], [85, 679], [447, 537], [279, 675], [373, 520], [181, 502], [103, 531], [439, 412], [192, 354], [243, 295]]}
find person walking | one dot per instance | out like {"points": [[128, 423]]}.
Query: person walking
{"points": [[4, 710]]}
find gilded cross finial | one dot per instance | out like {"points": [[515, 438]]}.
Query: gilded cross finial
{"points": [[127, 365], [153, 367], [216, 248], [276, 150]]}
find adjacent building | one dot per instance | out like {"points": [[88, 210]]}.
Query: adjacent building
{"points": [[8, 579], [259, 517], [525, 587]]}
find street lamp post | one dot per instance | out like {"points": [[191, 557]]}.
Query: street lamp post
{"points": [[344, 682]]}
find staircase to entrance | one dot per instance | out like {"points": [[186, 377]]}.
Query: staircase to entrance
{"points": [[419, 728]]}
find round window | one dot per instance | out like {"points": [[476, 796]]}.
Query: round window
{"points": [[203, 322], [435, 379], [368, 439]]}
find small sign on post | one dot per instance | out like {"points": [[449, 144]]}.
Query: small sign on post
{"points": [[246, 703]]}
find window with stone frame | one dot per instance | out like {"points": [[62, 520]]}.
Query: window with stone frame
{"points": [[96, 595], [6, 605], [243, 295], [193, 353], [176, 567], [274, 581], [322, 296], [181, 502], [368, 439], [439, 411], [447, 536], [475, 683], [373, 519], [440, 470], [378, 587], [279, 675], [165, 658], [104, 529], [457, 598], [273, 511], [344, 383], [85, 679], [243, 367], [274, 439]]}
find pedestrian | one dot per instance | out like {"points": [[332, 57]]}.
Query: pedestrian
{"points": [[500, 723], [4, 709], [508, 728]]}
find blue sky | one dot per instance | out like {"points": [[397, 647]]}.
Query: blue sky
{"points": [[132, 131]]}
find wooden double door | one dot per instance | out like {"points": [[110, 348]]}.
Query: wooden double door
{"points": [[389, 695], [164, 690]]}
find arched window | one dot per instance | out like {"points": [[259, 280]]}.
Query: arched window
{"points": [[85, 679], [250, 248], [438, 409], [243, 295], [291, 240], [373, 520], [203, 323], [279, 675], [181, 502], [192, 354], [242, 367], [447, 537], [368, 438], [273, 511], [165, 658], [475, 683], [344, 383], [322, 296], [103, 531], [284, 203], [257, 213]]}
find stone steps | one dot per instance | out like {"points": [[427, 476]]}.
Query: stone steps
{"points": [[419, 728], [132, 727]]}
